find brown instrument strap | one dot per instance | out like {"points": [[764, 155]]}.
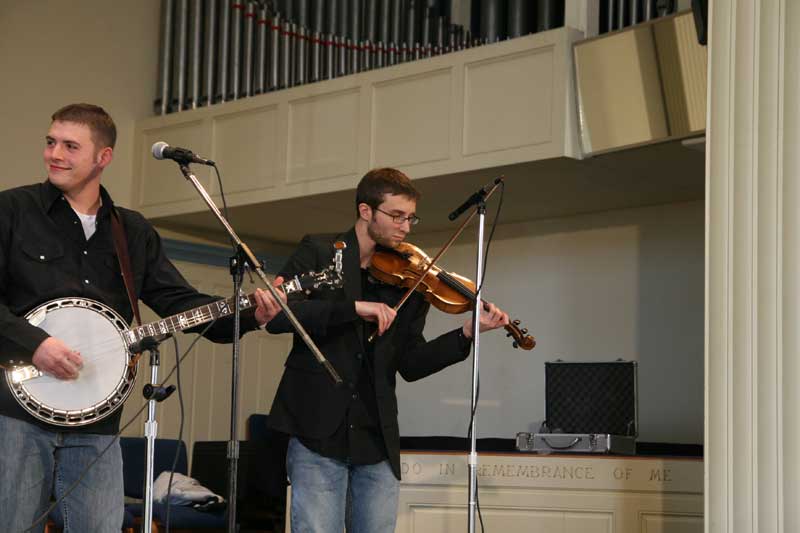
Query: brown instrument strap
{"points": [[121, 247]]}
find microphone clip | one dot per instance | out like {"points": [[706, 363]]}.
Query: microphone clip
{"points": [[157, 392], [477, 198], [148, 343]]}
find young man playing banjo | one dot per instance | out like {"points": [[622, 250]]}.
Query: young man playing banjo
{"points": [[56, 243]]}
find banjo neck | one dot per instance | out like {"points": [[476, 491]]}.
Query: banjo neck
{"points": [[189, 319], [221, 308]]}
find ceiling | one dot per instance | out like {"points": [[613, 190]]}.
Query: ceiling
{"points": [[648, 175]]}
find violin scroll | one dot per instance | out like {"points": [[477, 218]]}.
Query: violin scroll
{"points": [[520, 335]]}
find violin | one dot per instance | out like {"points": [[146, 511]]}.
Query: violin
{"points": [[447, 291]]}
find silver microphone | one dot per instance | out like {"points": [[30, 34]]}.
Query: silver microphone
{"points": [[162, 150]]}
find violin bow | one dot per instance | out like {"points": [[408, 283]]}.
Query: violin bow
{"points": [[441, 252]]}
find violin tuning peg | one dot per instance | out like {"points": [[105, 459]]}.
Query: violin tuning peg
{"points": [[515, 344], [508, 334], [524, 331], [515, 322]]}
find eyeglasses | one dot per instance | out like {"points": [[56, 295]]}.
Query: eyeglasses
{"points": [[397, 219]]}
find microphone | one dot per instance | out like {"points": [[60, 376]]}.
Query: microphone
{"points": [[479, 195], [162, 150], [148, 343]]}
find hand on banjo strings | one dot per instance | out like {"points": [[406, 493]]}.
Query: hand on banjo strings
{"points": [[57, 359], [266, 306]]}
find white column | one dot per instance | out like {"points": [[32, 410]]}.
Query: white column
{"points": [[752, 268]]}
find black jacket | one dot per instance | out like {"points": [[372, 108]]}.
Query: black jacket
{"points": [[307, 403]]}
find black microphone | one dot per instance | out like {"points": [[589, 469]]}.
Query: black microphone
{"points": [[148, 343], [162, 150], [474, 199]]}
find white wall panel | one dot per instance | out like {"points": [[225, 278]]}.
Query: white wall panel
{"points": [[525, 493], [671, 523], [246, 149], [323, 136], [524, 83], [411, 119], [431, 518], [479, 108]]}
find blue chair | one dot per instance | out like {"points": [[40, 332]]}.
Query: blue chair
{"points": [[181, 518]]}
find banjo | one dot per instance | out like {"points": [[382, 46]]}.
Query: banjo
{"points": [[109, 369]]}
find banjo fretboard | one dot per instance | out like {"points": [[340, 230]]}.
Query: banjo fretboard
{"points": [[191, 318], [330, 277]]}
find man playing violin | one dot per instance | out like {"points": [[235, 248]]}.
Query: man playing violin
{"points": [[343, 458], [56, 242]]}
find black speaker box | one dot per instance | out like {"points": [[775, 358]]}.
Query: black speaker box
{"points": [[596, 397]]}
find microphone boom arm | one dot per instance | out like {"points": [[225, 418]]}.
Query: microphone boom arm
{"points": [[255, 264]]}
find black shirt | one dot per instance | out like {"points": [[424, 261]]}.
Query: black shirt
{"points": [[358, 439], [44, 255]]}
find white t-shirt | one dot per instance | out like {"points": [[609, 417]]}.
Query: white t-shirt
{"points": [[89, 223]]}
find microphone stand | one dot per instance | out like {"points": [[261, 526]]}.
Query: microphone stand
{"points": [[478, 199], [244, 256], [476, 336], [237, 265], [153, 393]]}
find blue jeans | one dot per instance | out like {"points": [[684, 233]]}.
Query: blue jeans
{"points": [[329, 495], [37, 463]]}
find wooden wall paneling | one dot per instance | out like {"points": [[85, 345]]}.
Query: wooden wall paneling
{"points": [[508, 101], [246, 147], [323, 136], [411, 119]]}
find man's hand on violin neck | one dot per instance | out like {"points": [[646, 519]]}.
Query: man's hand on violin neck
{"points": [[376, 312], [492, 317]]}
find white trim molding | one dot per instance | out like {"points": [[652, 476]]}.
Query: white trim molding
{"points": [[752, 268]]}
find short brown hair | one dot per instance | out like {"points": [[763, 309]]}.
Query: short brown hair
{"points": [[380, 181], [104, 132]]}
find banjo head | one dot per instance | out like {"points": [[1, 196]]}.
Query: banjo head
{"points": [[106, 379]]}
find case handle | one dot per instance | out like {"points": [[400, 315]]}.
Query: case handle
{"points": [[575, 441]]}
